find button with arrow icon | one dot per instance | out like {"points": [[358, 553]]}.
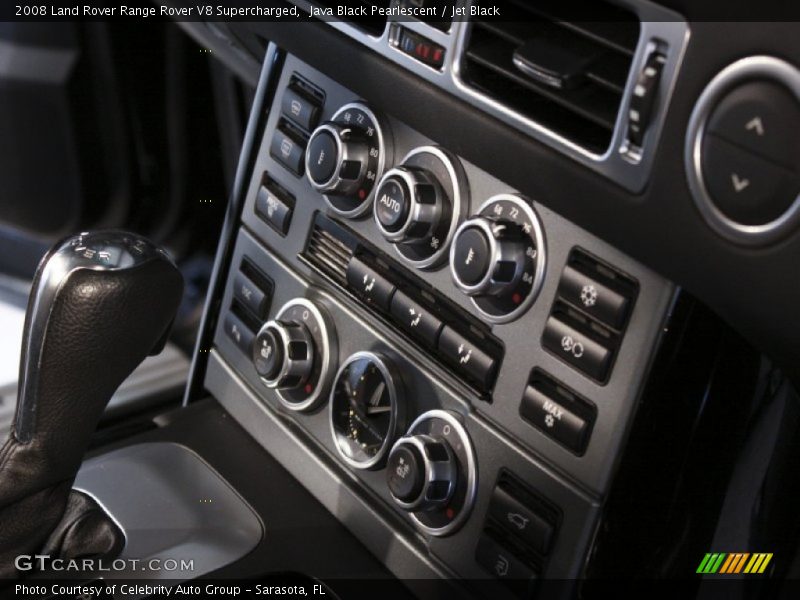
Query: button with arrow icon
{"points": [[762, 117], [744, 186], [415, 319]]}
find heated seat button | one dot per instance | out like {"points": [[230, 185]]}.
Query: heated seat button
{"points": [[594, 298], [746, 187], [503, 564], [274, 210], [762, 117], [554, 419], [250, 295], [517, 518], [471, 362], [415, 319], [239, 333], [369, 284], [287, 151], [577, 349], [298, 108]]}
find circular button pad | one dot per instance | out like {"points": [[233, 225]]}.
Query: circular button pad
{"points": [[743, 151]]}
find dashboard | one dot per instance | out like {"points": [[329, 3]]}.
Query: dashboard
{"points": [[440, 309]]}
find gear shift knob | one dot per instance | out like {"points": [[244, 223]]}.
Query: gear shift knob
{"points": [[100, 303]]}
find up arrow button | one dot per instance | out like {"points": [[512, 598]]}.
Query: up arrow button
{"points": [[755, 124]]}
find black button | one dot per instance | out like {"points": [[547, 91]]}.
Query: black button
{"points": [[594, 298], [501, 563], [471, 256], [415, 319], [763, 117], [239, 333], [287, 151], [471, 362], [554, 419], [404, 471], [747, 188], [250, 295], [268, 354], [517, 518], [322, 157], [369, 284], [276, 212], [577, 349], [392, 205], [301, 110]]}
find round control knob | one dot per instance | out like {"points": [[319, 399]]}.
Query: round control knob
{"points": [[283, 354], [488, 256], [408, 205], [336, 159], [421, 473]]}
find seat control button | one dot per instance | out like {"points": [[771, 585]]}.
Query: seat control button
{"points": [[577, 349], [467, 358], [415, 319], [369, 284]]}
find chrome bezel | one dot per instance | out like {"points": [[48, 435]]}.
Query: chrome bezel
{"points": [[395, 415], [471, 469], [326, 352], [752, 67], [541, 258], [386, 149]]}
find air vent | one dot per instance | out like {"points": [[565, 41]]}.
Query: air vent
{"points": [[563, 64], [348, 11], [328, 254]]}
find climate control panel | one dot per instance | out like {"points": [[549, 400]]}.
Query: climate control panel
{"points": [[425, 356]]}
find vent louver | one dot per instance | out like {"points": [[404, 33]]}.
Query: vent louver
{"points": [[561, 64]]}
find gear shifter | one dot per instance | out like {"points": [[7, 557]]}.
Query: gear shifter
{"points": [[100, 303]]}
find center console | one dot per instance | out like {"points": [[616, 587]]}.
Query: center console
{"points": [[447, 365]]}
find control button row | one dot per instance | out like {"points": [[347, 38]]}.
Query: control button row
{"points": [[470, 361]]}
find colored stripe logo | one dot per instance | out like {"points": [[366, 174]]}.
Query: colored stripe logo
{"points": [[732, 563]]}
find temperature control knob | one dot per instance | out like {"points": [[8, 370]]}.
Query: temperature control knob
{"points": [[345, 158], [421, 473], [336, 159], [498, 257], [488, 257], [293, 354], [283, 354]]}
